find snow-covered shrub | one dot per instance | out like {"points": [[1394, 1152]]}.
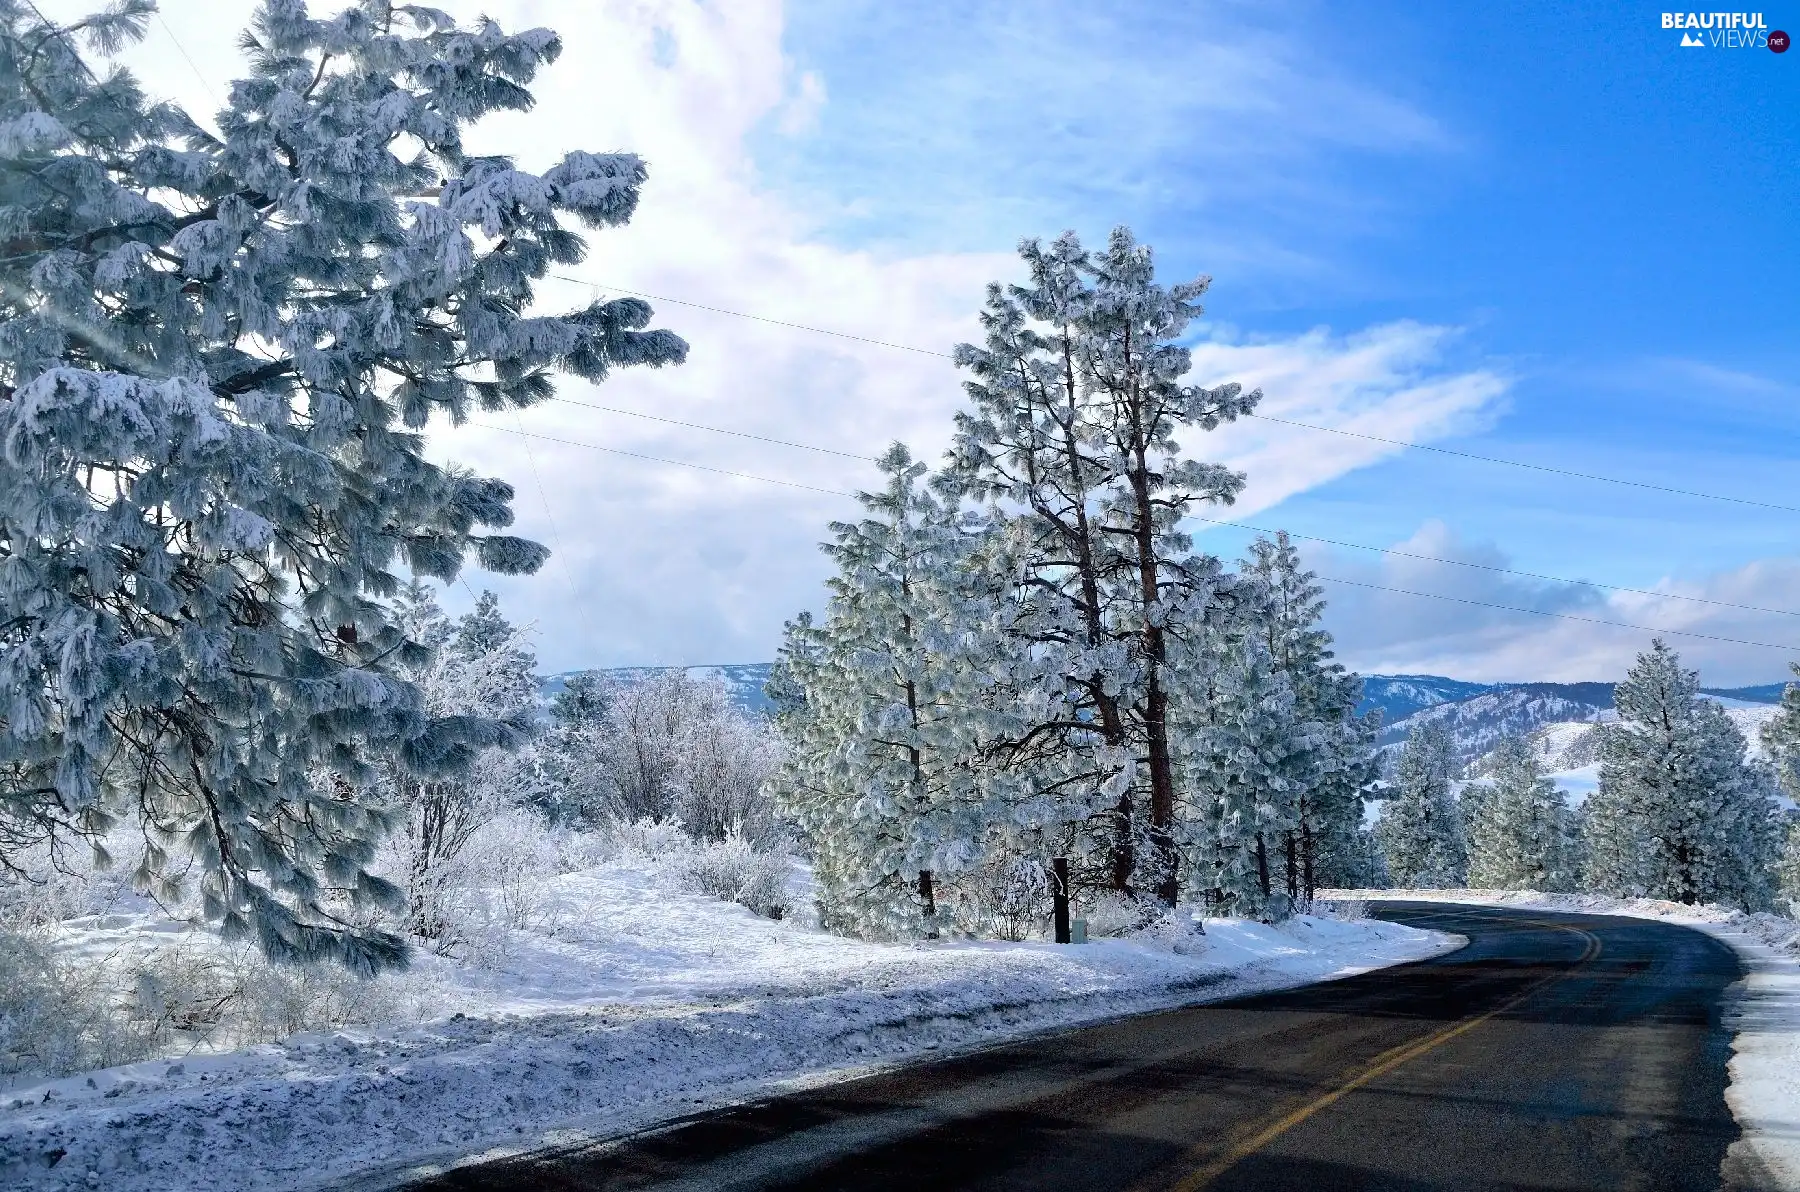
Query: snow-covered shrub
{"points": [[649, 843], [658, 746], [274, 1001], [734, 870], [1176, 929], [512, 859], [55, 1018], [1010, 897], [1109, 913], [1348, 910]]}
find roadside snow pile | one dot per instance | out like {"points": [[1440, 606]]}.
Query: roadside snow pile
{"points": [[1764, 1093], [646, 1002]]}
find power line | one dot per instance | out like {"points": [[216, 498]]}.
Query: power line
{"points": [[717, 430], [657, 459], [1514, 463], [1328, 579], [1330, 430], [719, 310], [1560, 579], [1386, 550], [182, 50], [555, 535], [1538, 612]]}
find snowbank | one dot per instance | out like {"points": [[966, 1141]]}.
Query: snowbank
{"points": [[1764, 1093], [646, 1004]]}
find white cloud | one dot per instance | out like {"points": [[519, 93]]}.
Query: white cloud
{"points": [[1388, 382], [661, 564], [1386, 631]]}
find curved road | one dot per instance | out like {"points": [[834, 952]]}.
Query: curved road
{"points": [[1554, 1052]]}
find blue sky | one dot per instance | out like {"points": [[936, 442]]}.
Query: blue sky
{"points": [[1539, 231], [1608, 217]]}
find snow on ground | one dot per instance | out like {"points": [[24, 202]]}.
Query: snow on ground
{"points": [[646, 1003], [1764, 1093]]}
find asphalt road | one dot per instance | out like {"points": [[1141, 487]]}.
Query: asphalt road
{"points": [[1555, 1051]]}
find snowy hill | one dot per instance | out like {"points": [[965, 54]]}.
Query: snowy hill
{"points": [[744, 680], [1557, 716], [1478, 723], [1399, 696]]}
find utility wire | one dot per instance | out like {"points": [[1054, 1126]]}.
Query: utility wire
{"points": [[657, 459], [1538, 612], [1514, 463], [182, 50], [1328, 579], [719, 310], [555, 535], [1385, 550], [717, 430], [1330, 430]]}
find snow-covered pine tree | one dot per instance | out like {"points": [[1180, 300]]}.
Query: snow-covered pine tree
{"points": [[1787, 870], [1333, 761], [217, 356], [1078, 396], [1781, 737], [1420, 832], [570, 790], [1680, 814], [881, 717], [1244, 750], [1519, 836]]}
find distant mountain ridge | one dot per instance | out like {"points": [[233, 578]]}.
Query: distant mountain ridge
{"points": [[1477, 714]]}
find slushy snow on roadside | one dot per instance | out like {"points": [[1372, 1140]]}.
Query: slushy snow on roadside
{"points": [[646, 1003]]}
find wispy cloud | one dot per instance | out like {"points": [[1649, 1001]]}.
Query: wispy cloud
{"points": [[1454, 627]]}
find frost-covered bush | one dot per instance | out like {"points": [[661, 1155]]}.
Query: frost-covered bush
{"points": [[735, 871], [659, 746], [1348, 910], [1176, 929], [1010, 898], [1109, 913], [55, 1018], [62, 1012]]}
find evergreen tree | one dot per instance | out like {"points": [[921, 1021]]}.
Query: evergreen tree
{"points": [[1519, 831], [1333, 762], [1420, 832], [217, 356], [1787, 870], [1078, 396], [881, 719], [1781, 737], [1680, 814]]}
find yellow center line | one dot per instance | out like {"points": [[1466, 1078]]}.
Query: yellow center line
{"points": [[1381, 1066]]}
